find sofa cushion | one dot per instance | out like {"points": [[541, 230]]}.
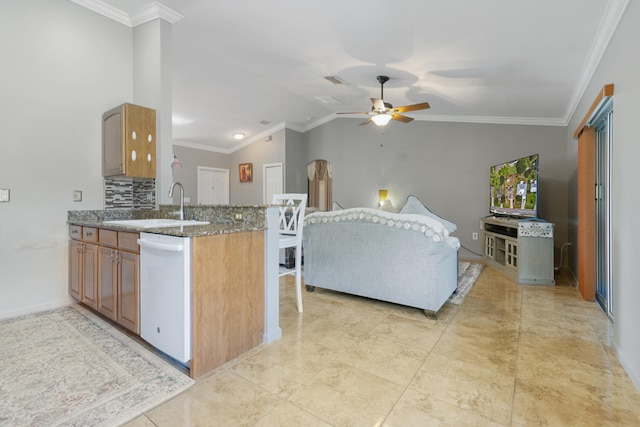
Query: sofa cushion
{"points": [[414, 206]]}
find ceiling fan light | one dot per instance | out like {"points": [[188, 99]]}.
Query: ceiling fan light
{"points": [[381, 119]]}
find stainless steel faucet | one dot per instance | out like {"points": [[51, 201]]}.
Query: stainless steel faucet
{"points": [[181, 197]]}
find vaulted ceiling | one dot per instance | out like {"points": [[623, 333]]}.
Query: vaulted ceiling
{"points": [[254, 66]]}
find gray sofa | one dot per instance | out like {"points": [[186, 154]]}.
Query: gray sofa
{"points": [[407, 259]]}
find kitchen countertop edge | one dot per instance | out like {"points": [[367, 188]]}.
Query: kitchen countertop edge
{"points": [[181, 231]]}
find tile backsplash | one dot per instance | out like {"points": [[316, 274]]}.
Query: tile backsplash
{"points": [[129, 193]]}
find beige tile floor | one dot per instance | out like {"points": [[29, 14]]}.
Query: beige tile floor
{"points": [[508, 356]]}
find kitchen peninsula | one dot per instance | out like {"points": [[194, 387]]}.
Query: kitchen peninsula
{"points": [[233, 261]]}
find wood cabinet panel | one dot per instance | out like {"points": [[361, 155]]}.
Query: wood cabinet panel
{"points": [[129, 142], [228, 298], [89, 234], [89, 294], [128, 241], [75, 268], [211, 316], [246, 281], [129, 291], [75, 232], [107, 282], [108, 237]]}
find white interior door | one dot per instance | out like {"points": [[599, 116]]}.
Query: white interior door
{"points": [[213, 186], [273, 181]]}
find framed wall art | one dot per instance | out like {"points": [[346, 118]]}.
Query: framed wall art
{"points": [[246, 172]]}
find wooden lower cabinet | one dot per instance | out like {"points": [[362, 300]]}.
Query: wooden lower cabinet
{"points": [[106, 276], [75, 269], [129, 291], [108, 283], [89, 295]]}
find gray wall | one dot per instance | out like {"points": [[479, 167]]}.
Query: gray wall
{"points": [[259, 153], [62, 67], [445, 165], [285, 147], [295, 167], [619, 65], [191, 158]]}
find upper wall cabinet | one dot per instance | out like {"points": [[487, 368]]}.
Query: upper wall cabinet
{"points": [[129, 142]]}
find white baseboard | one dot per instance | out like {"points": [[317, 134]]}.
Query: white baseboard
{"points": [[628, 367], [271, 336], [36, 308]]}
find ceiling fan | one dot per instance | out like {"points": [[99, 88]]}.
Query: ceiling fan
{"points": [[382, 112]]}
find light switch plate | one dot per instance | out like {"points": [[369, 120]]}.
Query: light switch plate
{"points": [[4, 194], [77, 195]]}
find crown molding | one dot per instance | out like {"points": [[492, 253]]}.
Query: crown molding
{"points": [[608, 24], [497, 120], [199, 146], [154, 10], [258, 137], [316, 123], [106, 10]]}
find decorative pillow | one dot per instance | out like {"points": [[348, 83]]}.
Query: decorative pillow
{"points": [[414, 206]]}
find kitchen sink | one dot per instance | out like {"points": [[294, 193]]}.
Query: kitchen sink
{"points": [[156, 222]]}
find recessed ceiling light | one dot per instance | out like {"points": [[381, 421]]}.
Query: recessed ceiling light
{"points": [[238, 135]]}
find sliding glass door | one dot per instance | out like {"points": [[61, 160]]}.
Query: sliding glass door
{"points": [[604, 134]]}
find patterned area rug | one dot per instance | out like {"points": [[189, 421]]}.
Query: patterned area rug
{"points": [[468, 273], [69, 367]]}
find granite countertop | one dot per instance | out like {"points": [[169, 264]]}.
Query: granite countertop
{"points": [[221, 220]]}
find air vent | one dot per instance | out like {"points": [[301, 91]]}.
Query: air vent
{"points": [[265, 122], [335, 80], [327, 100]]}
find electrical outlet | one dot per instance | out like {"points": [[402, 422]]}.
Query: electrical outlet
{"points": [[474, 236], [238, 216], [4, 194], [77, 195]]}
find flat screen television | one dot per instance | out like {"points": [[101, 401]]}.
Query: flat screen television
{"points": [[514, 188]]}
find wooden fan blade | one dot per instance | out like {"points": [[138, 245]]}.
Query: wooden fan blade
{"points": [[366, 122], [401, 118], [357, 112], [378, 104], [414, 107]]}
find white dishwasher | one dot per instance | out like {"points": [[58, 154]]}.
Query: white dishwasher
{"points": [[165, 293]]}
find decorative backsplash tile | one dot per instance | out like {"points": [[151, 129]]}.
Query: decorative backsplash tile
{"points": [[129, 193], [144, 194]]}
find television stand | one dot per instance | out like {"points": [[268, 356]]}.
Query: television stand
{"points": [[521, 249]]}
